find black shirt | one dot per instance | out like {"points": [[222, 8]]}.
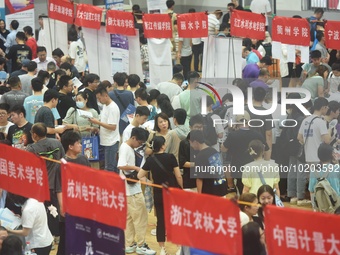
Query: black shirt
{"points": [[45, 115], [213, 184], [257, 121], [92, 100], [20, 137], [186, 154], [2, 43], [64, 104], [17, 53], [18, 72]]}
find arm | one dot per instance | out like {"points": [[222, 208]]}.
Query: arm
{"points": [[224, 149], [199, 184], [326, 138], [104, 125], [58, 130], [180, 45], [300, 138], [245, 189], [21, 232], [142, 173], [60, 201], [277, 189], [320, 91], [178, 176], [129, 168]]}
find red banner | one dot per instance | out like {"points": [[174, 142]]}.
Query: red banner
{"points": [[306, 233], [192, 25], [157, 26], [23, 173], [332, 37], [191, 219], [291, 31], [248, 25], [61, 10], [119, 22], [88, 16], [95, 195]]}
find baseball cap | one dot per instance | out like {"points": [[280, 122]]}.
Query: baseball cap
{"points": [[244, 116], [25, 62]]}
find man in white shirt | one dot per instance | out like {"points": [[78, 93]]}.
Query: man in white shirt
{"points": [[213, 22], [171, 88], [109, 128], [41, 35], [334, 78], [137, 216], [10, 40], [42, 60], [261, 6]]}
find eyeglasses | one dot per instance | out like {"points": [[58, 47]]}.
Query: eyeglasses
{"points": [[3, 113]]}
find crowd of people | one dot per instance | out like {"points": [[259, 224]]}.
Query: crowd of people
{"points": [[168, 139]]}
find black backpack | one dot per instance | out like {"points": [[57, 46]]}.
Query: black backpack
{"points": [[209, 130], [222, 110]]}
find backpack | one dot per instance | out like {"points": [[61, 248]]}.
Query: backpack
{"points": [[326, 199], [222, 110], [209, 130]]}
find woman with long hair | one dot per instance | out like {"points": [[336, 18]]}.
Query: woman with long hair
{"points": [[164, 169], [3, 34], [265, 196], [253, 239]]}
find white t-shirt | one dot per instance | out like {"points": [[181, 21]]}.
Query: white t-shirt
{"points": [[109, 115], [169, 88], [334, 96], [261, 6], [334, 82], [213, 24], [4, 129], [127, 157], [34, 217], [219, 129], [317, 129], [186, 47], [127, 133], [76, 52]]}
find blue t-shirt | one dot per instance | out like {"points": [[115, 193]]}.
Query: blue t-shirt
{"points": [[331, 172], [252, 58], [32, 105]]}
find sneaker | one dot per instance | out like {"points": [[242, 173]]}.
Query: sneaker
{"points": [[163, 251], [145, 250], [153, 232], [303, 202], [131, 248], [293, 200]]}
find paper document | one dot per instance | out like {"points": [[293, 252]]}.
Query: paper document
{"points": [[8, 219], [76, 82], [84, 114]]}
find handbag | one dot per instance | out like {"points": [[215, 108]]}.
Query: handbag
{"points": [[90, 147], [131, 175], [301, 155], [278, 201]]}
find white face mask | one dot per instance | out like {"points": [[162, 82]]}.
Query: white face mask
{"points": [[80, 104]]}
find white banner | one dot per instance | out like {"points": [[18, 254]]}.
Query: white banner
{"points": [[135, 63], [55, 36]]}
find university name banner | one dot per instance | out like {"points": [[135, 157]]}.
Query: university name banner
{"points": [[332, 35], [95, 195], [61, 10], [93, 237], [306, 233], [192, 25], [191, 219], [23, 173], [248, 25], [118, 22], [157, 26], [88, 16], [291, 31]]}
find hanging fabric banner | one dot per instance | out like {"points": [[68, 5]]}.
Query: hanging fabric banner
{"points": [[192, 25], [216, 219], [157, 26], [61, 10], [23, 173], [248, 25], [297, 236], [93, 194], [119, 22], [88, 16], [93, 237], [332, 34], [291, 31]]}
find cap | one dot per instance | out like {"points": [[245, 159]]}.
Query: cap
{"points": [[245, 116], [25, 62]]}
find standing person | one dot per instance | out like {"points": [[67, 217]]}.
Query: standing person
{"points": [[213, 22], [313, 21], [50, 148], [137, 216], [10, 40], [3, 34], [321, 46], [34, 224], [261, 7], [19, 52], [91, 82], [184, 54], [23, 69], [66, 101], [15, 96], [171, 88], [42, 60], [164, 169], [57, 54], [42, 32], [108, 128], [45, 114], [19, 134], [27, 78], [76, 50], [227, 16], [208, 182], [4, 115], [237, 5], [31, 42], [141, 116]]}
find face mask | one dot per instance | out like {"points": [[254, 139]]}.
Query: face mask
{"points": [[80, 104]]}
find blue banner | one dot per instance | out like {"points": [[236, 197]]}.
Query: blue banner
{"points": [[90, 237], [114, 5]]}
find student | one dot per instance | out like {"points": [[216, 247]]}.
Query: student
{"points": [[15, 96], [34, 224], [137, 217], [4, 123], [11, 245], [45, 114], [250, 210], [141, 116], [91, 82], [164, 169], [19, 134], [26, 79], [108, 128], [253, 239], [65, 101], [141, 98]]}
